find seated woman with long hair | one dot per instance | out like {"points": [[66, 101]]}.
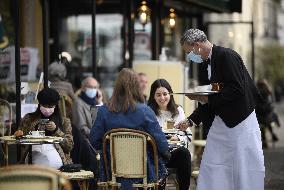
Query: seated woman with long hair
{"points": [[126, 109], [52, 155], [165, 108]]}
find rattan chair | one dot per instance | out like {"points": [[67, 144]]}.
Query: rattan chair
{"points": [[128, 156], [5, 117], [32, 177], [172, 178], [194, 175]]}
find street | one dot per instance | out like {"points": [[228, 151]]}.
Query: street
{"points": [[273, 155], [274, 164]]}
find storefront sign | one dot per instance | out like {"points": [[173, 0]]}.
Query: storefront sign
{"points": [[29, 62]]}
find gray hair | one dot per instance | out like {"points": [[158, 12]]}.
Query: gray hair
{"points": [[193, 35], [57, 70], [87, 80]]}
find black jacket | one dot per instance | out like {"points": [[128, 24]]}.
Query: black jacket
{"points": [[236, 100]]}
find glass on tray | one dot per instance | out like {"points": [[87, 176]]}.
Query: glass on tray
{"points": [[216, 86], [170, 124]]}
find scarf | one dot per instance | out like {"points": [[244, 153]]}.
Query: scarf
{"points": [[90, 101]]}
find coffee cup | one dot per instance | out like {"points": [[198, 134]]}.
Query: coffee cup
{"points": [[37, 133], [170, 124], [215, 86]]}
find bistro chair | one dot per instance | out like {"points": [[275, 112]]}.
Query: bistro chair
{"points": [[128, 157], [32, 177], [171, 178], [5, 117], [198, 146], [194, 175]]}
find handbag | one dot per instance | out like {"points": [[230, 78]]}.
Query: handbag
{"points": [[71, 168]]}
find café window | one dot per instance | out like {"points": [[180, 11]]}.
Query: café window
{"points": [[76, 38], [142, 42]]}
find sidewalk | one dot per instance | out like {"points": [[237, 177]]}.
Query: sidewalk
{"points": [[274, 164], [274, 156]]}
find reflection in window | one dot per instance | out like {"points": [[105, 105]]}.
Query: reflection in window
{"points": [[142, 43], [76, 38]]}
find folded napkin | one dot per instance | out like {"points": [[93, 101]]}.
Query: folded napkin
{"points": [[203, 88]]}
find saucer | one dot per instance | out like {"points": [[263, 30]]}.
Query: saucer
{"points": [[173, 131], [35, 137]]}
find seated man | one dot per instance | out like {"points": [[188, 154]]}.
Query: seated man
{"points": [[143, 81], [85, 107]]}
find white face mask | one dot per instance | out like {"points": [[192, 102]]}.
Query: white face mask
{"points": [[194, 57], [91, 92]]}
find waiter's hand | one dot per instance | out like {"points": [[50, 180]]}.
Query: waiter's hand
{"points": [[199, 98], [183, 125]]}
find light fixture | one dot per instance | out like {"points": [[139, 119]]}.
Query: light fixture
{"points": [[231, 34], [172, 19], [144, 13]]}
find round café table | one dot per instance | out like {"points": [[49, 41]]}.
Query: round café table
{"points": [[26, 140], [81, 177]]}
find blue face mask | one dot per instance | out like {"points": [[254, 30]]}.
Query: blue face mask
{"points": [[193, 57], [91, 92]]}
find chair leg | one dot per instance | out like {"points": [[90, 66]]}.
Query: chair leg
{"points": [[115, 186], [176, 182], [103, 185]]}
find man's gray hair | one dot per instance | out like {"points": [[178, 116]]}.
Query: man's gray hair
{"points": [[193, 35], [86, 81]]}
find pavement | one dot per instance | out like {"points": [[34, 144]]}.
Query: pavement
{"points": [[274, 156]]}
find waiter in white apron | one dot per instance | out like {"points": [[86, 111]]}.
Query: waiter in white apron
{"points": [[233, 157]]}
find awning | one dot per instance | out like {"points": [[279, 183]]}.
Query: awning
{"points": [[217, 5]]}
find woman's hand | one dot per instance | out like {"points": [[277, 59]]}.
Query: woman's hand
{"points": [[18, 133], [50, 126]]}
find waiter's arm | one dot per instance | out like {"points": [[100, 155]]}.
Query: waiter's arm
{"points": [[232, 70]]}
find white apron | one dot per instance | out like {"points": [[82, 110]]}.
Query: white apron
{"points": [[233, 157]]}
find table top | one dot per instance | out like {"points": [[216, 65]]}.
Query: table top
{"points": [[31, 140], [171, 131], [81, 175], [175, 144], [181, 143]]}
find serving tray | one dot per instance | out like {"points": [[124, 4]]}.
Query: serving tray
{"points": [[199, 93]]}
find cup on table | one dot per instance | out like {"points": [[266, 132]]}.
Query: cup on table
{"points": [[170, 124], [37, 133]]}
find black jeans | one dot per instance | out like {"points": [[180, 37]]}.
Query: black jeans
{"points": [[181, 161]]}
